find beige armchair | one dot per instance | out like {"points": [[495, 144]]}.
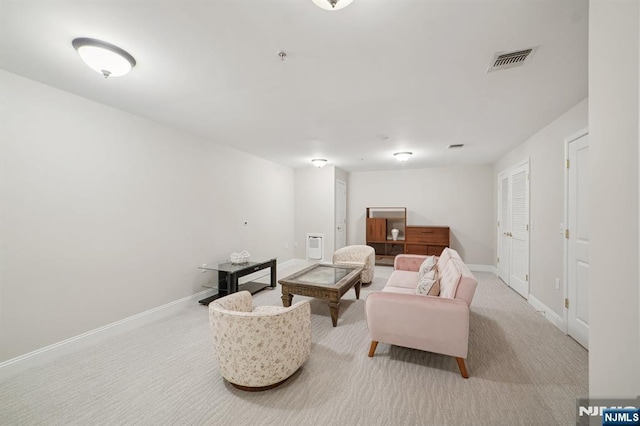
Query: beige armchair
{"points": [[357, 255], [258, 348]]}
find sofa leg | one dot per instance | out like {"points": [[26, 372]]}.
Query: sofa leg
{"points": [[373, 347], [462, 367]]}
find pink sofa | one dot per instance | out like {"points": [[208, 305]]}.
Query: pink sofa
{"points": [[398, 316]]}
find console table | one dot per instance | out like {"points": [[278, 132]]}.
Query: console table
{"points": [[228, 274]]}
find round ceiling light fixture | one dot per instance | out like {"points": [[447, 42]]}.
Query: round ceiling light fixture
{"points": [[103, 57], [332, 4], [403, 156], [319, 162]]}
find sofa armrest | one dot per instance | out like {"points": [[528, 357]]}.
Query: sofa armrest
{"points": [[408, 262], [427, 323]]}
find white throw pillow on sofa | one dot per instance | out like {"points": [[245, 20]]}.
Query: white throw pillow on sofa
{"points": [[444, 257], [449, 278], [424, 286], [426, 266], [428, 285]]}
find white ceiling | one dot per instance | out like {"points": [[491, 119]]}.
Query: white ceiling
{"points": [[357, 85]]}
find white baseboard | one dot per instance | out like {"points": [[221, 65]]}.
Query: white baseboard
{"points": [[482, 268], [50, 353], [548, 313]]}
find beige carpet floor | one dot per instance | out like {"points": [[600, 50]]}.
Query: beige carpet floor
{"points": [[523, 370]]}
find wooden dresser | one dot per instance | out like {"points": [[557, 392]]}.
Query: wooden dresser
{"points": [[381, 221], [427, 240]]}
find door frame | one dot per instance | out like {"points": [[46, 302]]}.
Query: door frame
{"points": [[565, 244]]}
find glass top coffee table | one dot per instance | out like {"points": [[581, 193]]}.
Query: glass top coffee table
{"points": [[322, 281]]}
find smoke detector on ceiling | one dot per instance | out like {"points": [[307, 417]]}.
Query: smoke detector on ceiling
{"points": [[506, 60]]}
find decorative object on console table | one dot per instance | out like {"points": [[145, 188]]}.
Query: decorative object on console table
{"points": [[426, 240], [239, 258], [380, 234]]}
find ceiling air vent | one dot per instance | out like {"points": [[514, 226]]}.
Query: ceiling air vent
{"points": [[503, 61], [455, 145]]}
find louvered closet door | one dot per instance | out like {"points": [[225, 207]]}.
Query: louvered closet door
{"points": [[519, 215], [504, 226]]}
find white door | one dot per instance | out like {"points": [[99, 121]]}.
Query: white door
{"points": [[519, 234], [504, 225], [513, 228], [578, 245], [341, 214]]}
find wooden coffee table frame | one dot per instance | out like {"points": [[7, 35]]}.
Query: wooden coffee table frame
{"points": [[292, 285]]}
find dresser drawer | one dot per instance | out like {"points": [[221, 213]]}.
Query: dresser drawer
{"points": [[417, 249], [436, 235], [435, 250], [424, 249]]}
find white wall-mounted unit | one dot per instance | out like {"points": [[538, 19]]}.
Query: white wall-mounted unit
{"points": [[314, 246]]}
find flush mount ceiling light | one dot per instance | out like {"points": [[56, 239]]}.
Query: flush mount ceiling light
{"points": [[332, 4], [319, 162], [103, 57], [402, 156]]}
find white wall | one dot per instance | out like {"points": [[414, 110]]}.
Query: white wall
{"points": [[614, 296], [104, 215], [458, 197], [545, 151], [314, 208]]}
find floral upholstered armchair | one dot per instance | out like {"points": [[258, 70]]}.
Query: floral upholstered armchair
{"points": [[258, 348], [357, 255]]}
